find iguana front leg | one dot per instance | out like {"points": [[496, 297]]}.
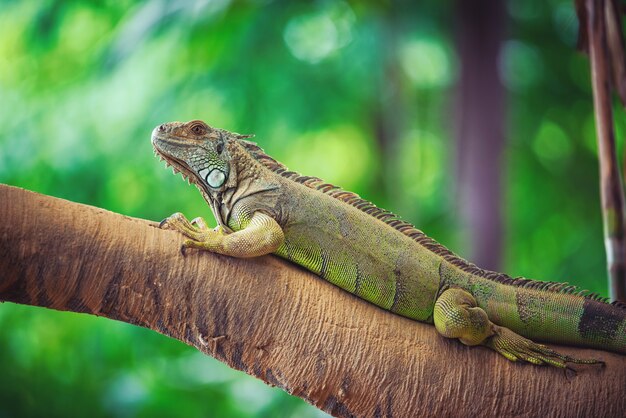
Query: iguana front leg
{"points": [[262, 235], [457, 315]]}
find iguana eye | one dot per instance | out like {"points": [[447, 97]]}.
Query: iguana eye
{"points": [[198, 128]]}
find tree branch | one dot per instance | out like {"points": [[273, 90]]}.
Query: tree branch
{"points": [[605, 62], [275, 321]]}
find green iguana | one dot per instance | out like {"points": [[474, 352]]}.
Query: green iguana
{"points": [[261, 207]]}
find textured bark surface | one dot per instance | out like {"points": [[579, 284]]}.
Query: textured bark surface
{"points": [[276, 321]]}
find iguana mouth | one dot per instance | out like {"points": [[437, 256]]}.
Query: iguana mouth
{"points": [[178, 166]]}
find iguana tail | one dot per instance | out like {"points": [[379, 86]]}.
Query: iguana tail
{"points": [[562, 316]]}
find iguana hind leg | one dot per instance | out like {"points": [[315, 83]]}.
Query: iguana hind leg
{"points": [[457, 315]]}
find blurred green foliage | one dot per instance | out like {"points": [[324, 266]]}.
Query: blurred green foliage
{"points": [[83, 83]]}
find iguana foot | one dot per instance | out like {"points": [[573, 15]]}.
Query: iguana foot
{"points": [[515, 348], [199, 234], [196, 230], [201, 224], [178, 222], [457, 315], [263, 235]]}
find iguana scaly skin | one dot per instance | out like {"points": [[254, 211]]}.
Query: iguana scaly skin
{"points": [[263, 208]]}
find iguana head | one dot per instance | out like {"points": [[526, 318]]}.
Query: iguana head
{"points": [[197, 151], [217, 162]]}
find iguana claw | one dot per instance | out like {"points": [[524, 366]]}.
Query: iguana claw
{"points": [[515, 347]]}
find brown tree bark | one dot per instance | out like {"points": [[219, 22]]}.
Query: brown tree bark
{"points": [[276, 321]]}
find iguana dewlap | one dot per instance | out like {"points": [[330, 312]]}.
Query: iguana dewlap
{"points": [[261, 207]]}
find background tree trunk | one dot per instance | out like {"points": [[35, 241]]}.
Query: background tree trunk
{"points": [[276, 321], [480, 127]]}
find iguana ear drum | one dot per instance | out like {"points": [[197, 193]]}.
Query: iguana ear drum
{"points": [[214, 178]]}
